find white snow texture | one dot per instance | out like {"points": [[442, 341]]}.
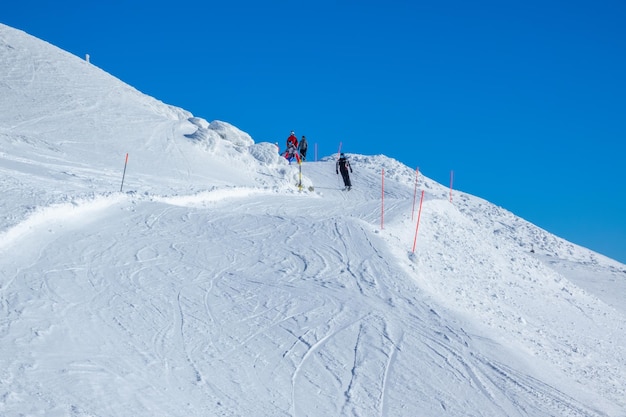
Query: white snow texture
{"points": [[211, 286]]}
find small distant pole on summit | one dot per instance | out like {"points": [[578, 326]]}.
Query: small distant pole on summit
{"points": [[87, 58]]}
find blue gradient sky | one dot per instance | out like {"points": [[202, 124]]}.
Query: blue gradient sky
{"points": [[524, 100]]}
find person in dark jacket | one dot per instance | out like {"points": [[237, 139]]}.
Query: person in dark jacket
{"points": [[343, 166], [302, 148]]}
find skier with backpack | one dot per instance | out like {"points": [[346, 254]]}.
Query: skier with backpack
{"points": [[343, 166], [292, 148]]}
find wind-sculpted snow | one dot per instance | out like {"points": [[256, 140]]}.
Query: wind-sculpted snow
{"points": [[211, 286]]}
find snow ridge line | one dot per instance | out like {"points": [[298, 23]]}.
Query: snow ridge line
{"points": [[75, 210], [213, 195], [79, 209]]}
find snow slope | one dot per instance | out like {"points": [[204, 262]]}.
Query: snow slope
{"points": [[211, 286]]}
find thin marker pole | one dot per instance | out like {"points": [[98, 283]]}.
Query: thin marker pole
{"points": [[382, 202], [451, 180], [124, 174], [417, 225], [417, 171]]}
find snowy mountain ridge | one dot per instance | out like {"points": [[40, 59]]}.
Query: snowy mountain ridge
{"points": [[211, 286]]}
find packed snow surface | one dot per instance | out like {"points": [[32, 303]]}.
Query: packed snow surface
{"points": [[208, 284]]}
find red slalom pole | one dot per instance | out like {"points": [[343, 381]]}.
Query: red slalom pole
{"points": [[124, 174], [451, 179], [382, 202], [417, 171], [417, 225]]}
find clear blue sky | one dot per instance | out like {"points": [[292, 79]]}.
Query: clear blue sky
{"points": [[524, 100]]}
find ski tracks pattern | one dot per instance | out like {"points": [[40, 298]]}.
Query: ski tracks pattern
{"points": [[334, 340]]}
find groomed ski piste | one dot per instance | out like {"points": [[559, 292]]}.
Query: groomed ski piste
{"points": [[210, 285]]}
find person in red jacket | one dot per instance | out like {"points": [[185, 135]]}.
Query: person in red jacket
{"points": [[292, 148]]}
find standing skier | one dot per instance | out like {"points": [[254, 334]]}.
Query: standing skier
{"points": [[302, 148], [343, 165], [292, 148]]}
